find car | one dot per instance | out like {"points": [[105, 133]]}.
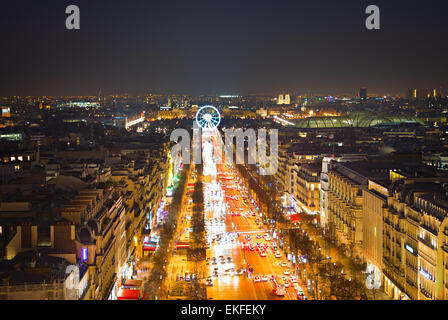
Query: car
{"points": [[267, 238], [239, 272], [299, 293], [284, 264], [230, 271], [257, 279], [278, 255], [264, 278], [279, 291], [262, 254], [286, 272], [293, 279]]}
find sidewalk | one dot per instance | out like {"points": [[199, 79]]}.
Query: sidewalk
{"points": [[329, 249]]}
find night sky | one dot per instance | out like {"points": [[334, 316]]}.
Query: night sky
{"points": [[221, 47]]}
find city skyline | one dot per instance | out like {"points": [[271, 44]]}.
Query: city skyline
{"points": [[219, 152]]}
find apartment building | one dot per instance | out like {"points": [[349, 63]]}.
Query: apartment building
{"points": [[305, 181], [345, 187], [433, 209], [373, 210], [100, 245], [394, 237]]}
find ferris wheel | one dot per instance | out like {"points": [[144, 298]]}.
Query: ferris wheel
{"points": [[208, 117]]}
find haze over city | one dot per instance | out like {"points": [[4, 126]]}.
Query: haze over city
{"points": [[212, 47]]}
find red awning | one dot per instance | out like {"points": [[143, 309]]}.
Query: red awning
{"points": [[128, 294], [132, 283], [295, 217], [149, 248], [182, 245]]}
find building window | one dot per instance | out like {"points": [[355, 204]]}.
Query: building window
{"points": [[84, 254]]}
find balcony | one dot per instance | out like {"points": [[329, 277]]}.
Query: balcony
{"points": [[425, 242]]}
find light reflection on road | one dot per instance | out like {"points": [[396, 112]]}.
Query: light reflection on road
{"points": [[228, 212]]}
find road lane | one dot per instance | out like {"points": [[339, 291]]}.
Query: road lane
{"points": [[223, 196]]}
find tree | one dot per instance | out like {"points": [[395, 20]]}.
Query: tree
{"points": [[336, 286], [197, 250], [161, 256]]}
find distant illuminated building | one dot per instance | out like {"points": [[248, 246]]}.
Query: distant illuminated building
{"points": [[6, 112], [79, 105], [132, 120], [262, 112], [284, 99], [280, 99], [363, 93], [421, 94], [11, 136]]}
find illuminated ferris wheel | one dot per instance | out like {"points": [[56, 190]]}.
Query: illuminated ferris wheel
{"points": [[208, 117]]}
